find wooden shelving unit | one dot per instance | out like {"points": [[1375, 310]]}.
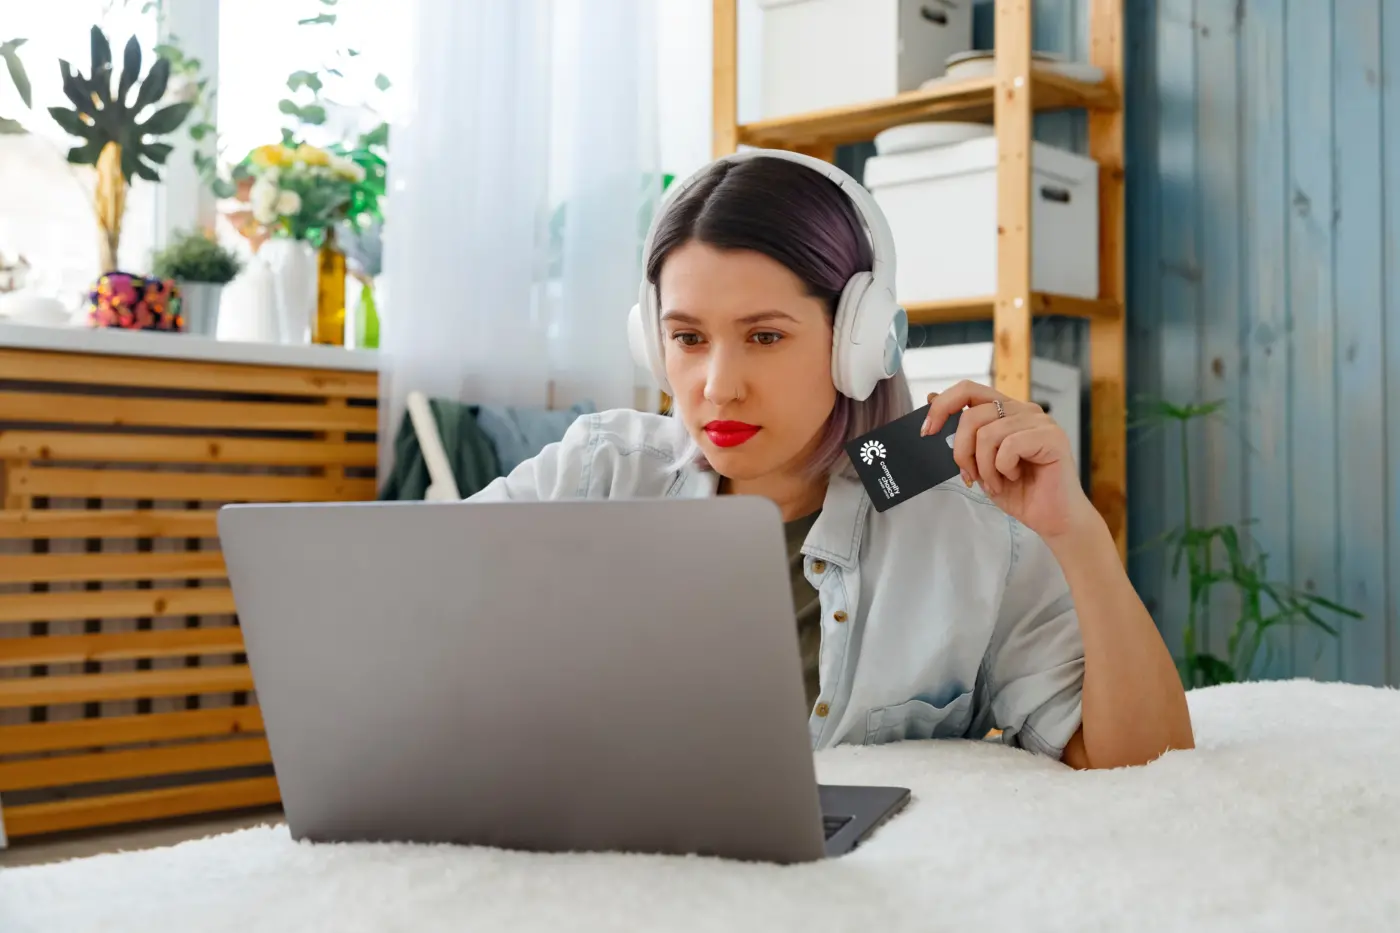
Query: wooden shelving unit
{"points": [[1009, 99]]}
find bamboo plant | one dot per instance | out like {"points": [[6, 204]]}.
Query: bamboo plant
{"points": [[115, 136], [1220, 555]]}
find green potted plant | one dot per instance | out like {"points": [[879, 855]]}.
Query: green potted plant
{"points": [[1225, 556], [201, 267]]}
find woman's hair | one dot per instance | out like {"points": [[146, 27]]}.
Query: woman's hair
{"points": [[793, 215]]}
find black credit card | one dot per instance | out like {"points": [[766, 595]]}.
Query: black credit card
{"points": [[896, 464]]}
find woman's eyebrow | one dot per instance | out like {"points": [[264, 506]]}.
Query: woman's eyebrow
{"points": [[757, 318]]}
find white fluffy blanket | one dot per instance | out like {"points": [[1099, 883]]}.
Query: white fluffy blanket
{"points": [[1286, 817]]}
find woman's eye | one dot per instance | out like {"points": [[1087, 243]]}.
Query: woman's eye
{"points": [[686, 339], [767, 338]]}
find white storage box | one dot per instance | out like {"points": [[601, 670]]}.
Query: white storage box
{"points": [[942, 207], [826, 53], [1054, 386]]}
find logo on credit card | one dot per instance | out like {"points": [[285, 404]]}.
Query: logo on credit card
{"points": [[871, 451], [895, 462]]}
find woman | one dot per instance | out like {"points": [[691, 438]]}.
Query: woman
{"points": [[994, 602]]}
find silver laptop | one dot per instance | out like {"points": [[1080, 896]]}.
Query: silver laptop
{"points": [[604, 676]]}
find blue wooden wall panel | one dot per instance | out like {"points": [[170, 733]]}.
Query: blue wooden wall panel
{"points": [[1146, 459], [1273, 283], [1360, 343], [1177, 271], [1390, 385], [1265, 365], [1217, 448], [1312, 310]]}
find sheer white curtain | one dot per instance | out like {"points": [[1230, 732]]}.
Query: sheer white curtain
{"points": [[522, 172]]}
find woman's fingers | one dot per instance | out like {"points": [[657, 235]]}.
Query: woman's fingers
{"points": [[990, 440], [970, 425], [963, 395]]}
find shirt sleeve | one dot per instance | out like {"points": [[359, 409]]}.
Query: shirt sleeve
{"points": [[559, 471], [1034, 666]]}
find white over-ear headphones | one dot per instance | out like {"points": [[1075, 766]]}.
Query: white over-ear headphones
{"points": [[870, 330]]}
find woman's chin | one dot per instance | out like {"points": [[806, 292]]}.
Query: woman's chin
{"points": [[737, 462]]}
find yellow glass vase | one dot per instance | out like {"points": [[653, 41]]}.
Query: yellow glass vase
{"points": [[329, 327]]}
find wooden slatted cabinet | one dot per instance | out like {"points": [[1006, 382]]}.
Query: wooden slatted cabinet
{"points": [[124, 694], [1009, 99]]}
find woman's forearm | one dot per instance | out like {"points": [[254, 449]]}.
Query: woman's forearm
{"points": [[1134, 705]]}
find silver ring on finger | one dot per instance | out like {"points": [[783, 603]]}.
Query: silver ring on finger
{"points": [[1001, 412]]}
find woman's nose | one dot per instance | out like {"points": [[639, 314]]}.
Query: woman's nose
{"points": [[723, 378]]}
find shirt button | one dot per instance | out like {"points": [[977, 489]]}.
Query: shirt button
{"points": [[822, 710], [818, 566], [840, 616]]}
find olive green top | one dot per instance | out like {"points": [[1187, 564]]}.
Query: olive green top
{"points": [[807, 605]]}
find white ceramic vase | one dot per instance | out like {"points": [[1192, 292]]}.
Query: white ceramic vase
{"points": [[293, 267]]}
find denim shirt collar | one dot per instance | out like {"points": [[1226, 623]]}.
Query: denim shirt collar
{"points": [[835, 537]]}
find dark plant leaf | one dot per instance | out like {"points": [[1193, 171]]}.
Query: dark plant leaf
{"points": [[70, 122], [327, 19], [289, 107], [223, 189], [288, 137], [157, 152], [101, 76], [313, 114], [10, 127], [166, 120], [17, 72], [74, 88], [131, 69], [381, 82], [1326, 603], [200, 130], [335, 71], [86, 154], [153, 88], [353, 53], [131, 161]]}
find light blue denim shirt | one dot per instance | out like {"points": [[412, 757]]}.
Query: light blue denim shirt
{"points": [[941, 617]]}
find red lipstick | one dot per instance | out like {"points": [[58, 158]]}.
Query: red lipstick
{"points": [[729, 433]]}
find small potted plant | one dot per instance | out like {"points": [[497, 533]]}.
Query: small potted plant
{"points": [[201, 267]]}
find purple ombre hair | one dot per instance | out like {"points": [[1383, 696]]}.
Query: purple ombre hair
{"points": [[795, 216]]}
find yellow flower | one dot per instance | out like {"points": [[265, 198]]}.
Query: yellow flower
{"points": [[271, 156], [312, 156]]}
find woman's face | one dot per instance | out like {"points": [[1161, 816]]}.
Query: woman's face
{"points": [[748, 356]]}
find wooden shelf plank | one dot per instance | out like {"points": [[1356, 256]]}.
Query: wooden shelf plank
{"points": [[88, 568], [115, 604], [129, 730], [145, 372], [65, 408], [37, 524], [40, 446], [120, 646], [65, 770], [210, 487], [126, 685], [980, 309], [967, 100], [36, 818]]}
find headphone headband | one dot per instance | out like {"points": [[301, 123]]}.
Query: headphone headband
{"points": [[873, 219]]}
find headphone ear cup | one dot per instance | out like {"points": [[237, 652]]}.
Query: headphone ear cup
{"points": [[852, 364], [644, 338]]}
